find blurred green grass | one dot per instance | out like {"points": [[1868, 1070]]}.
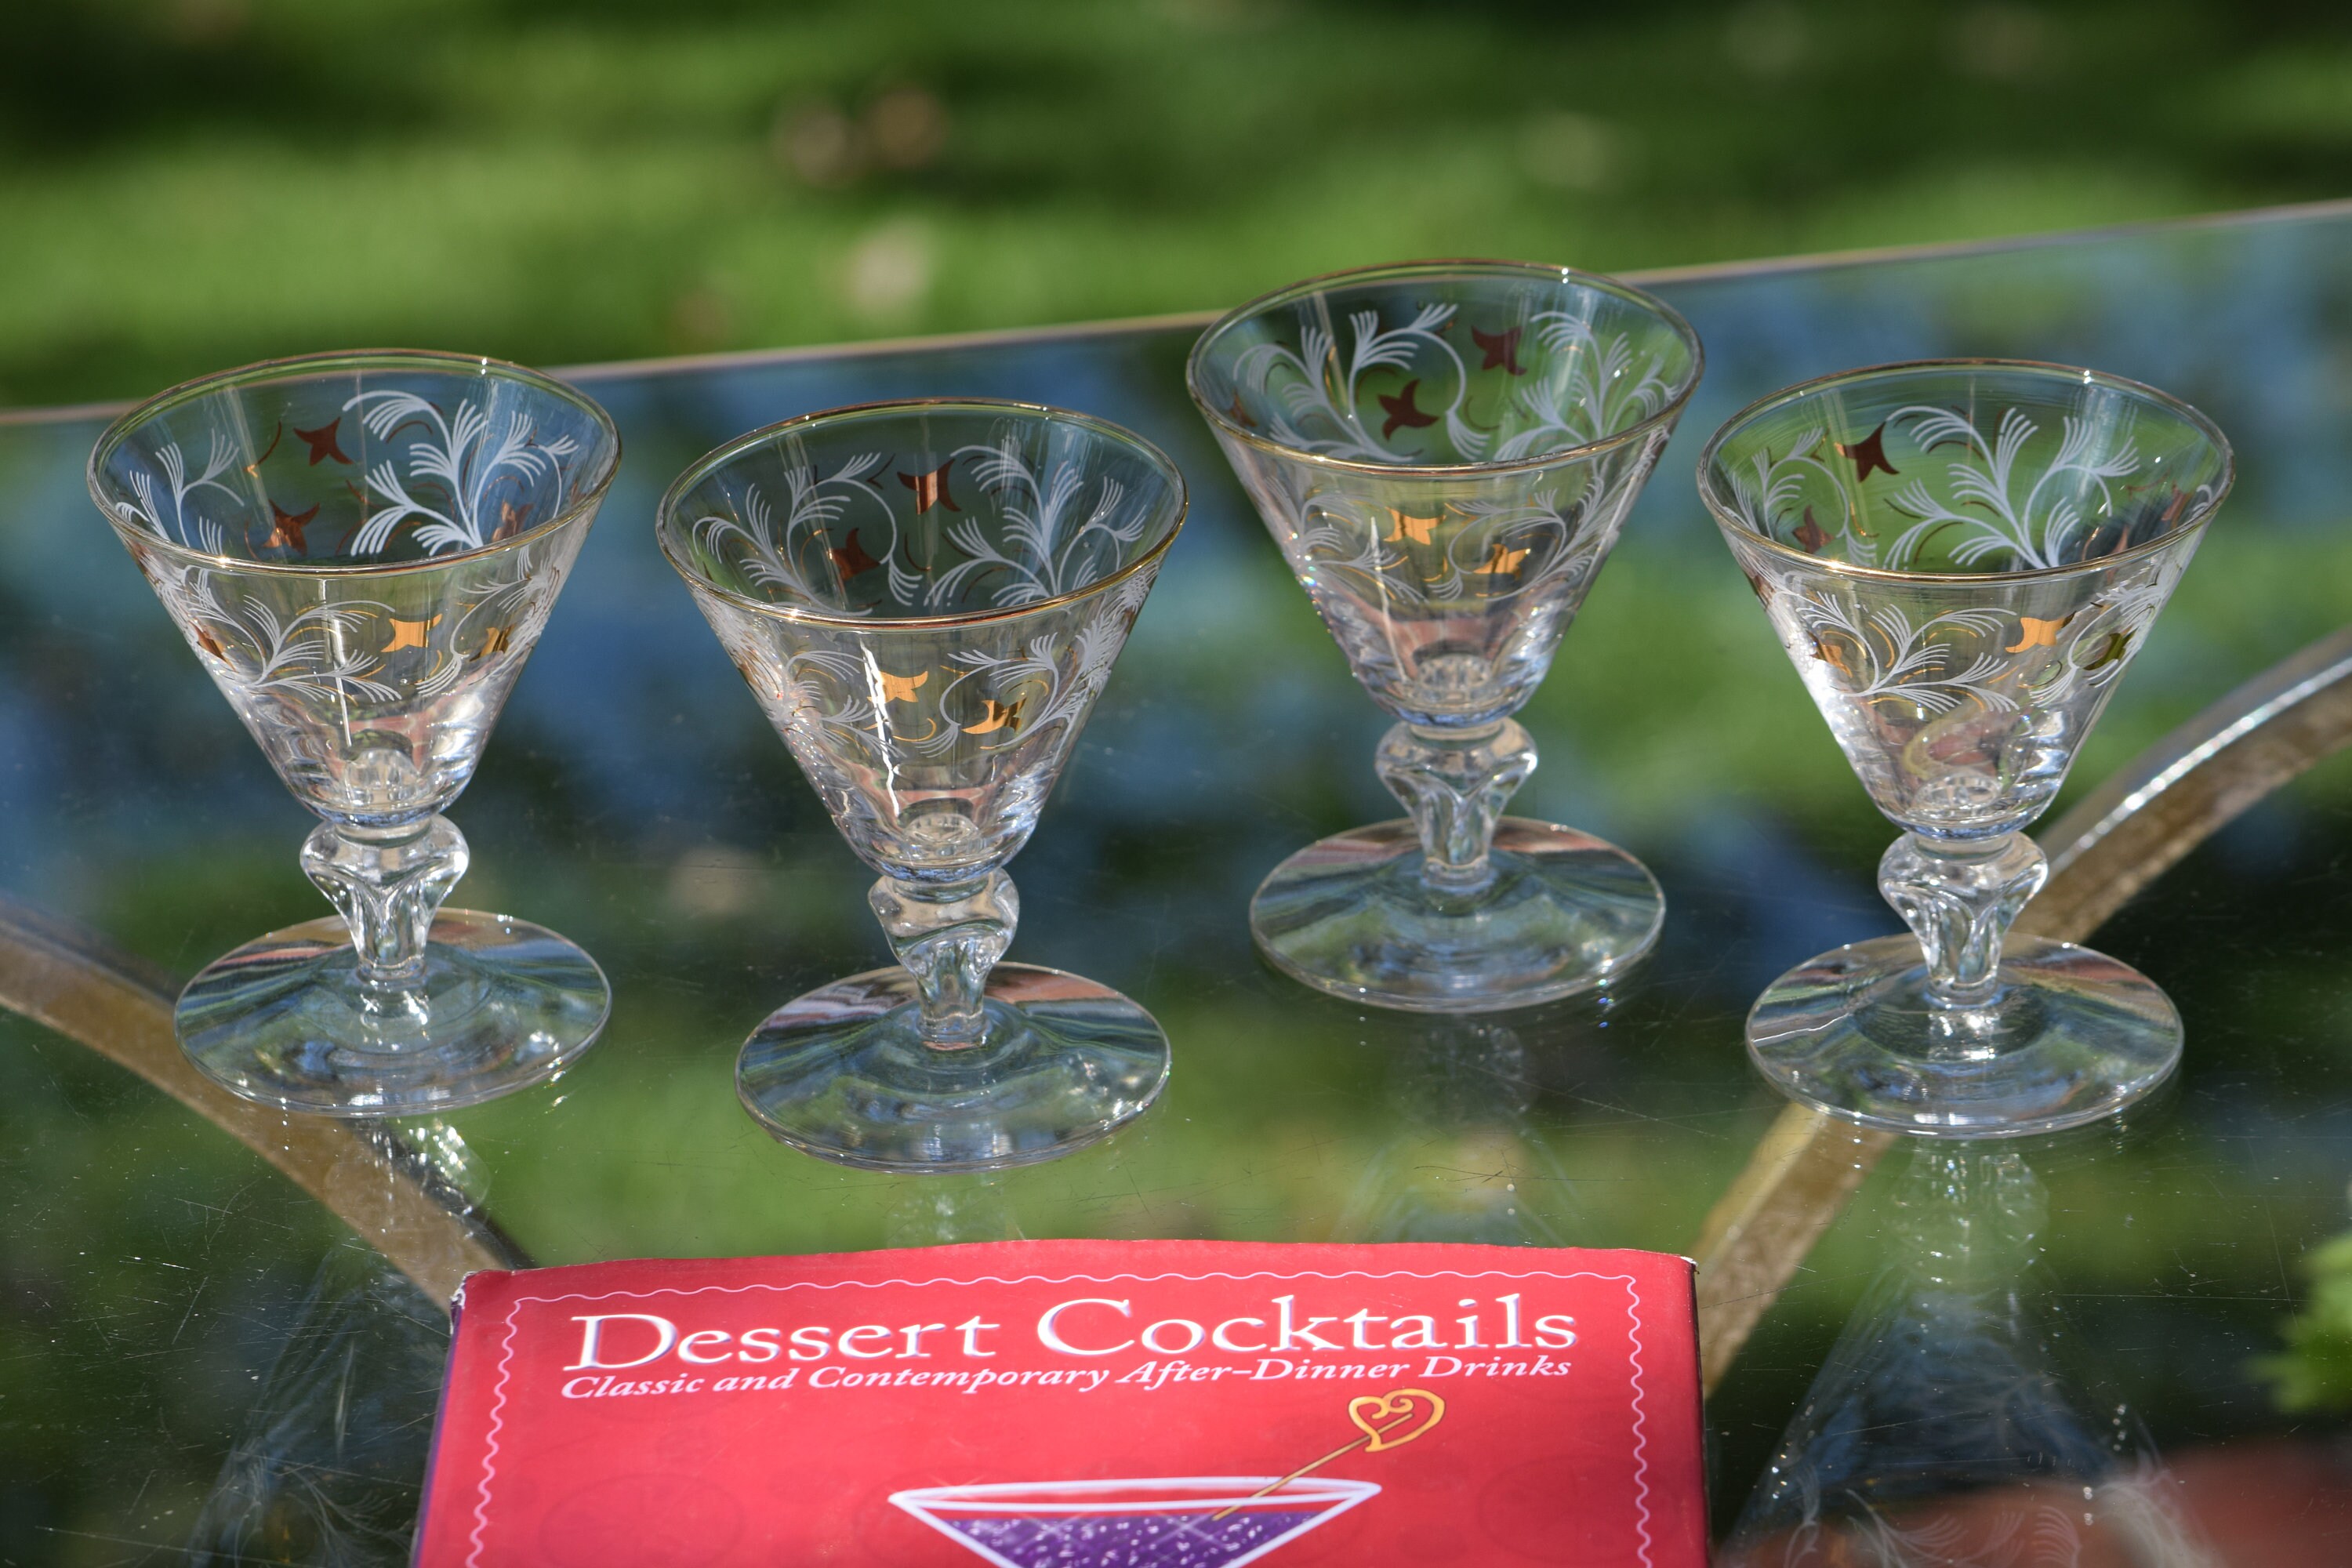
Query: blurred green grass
{"points": [[188, 184]]}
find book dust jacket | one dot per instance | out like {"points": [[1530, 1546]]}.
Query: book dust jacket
{"points": [[1076, 1405]]}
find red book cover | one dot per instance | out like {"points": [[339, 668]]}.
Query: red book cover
{"points": [[1076, 1405]]}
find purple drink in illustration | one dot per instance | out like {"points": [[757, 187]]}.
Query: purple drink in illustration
{"points": [[1203, 1522]]}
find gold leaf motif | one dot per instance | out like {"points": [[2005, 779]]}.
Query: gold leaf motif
{"points": [[995, 716], [407, 634], [1417, 529], [2037, 634]]}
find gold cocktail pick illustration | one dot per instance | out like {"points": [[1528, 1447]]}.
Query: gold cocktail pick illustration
{"points": [[1387, 1420]]}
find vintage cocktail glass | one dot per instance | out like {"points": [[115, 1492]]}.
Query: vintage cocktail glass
{"points": [[363, 549], [1445, 452], [1961, 558], [925, 599]]}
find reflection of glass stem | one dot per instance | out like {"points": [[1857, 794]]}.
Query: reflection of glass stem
{"points": [[949, 938], [1454, 783], [1958, 898], [389, 882]]}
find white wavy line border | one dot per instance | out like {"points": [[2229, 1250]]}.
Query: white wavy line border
{"points": [[1633, 1316]]}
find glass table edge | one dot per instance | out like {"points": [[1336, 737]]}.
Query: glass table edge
{"points": [[1014, 337]]}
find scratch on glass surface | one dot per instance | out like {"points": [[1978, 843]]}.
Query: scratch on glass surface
{"points": [[330, 1468]]}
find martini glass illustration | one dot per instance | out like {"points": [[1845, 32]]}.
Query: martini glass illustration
{"points": [[362, 550], [1197, 1521], [1961, 558], [1445, 452], [925, 598], [1213, 1521]]}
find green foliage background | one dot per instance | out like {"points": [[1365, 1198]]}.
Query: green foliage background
{"points": [[187, 184]]}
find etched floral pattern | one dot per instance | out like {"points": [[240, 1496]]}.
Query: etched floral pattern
{"points": [[1961, 498], [1961, 705], [373, 692], [435, 475], [1548, 380], [841, 545], [1445, 456], [373, 697], [1448, 595], [928, 626], [1961, 690]]}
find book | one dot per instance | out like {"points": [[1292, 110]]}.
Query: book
{"points": [[1076, 1405]]}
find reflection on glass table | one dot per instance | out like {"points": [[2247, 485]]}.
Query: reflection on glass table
{"points": [[158, 1268]]}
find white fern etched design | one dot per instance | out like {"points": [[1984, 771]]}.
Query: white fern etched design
{"points": [[1772, 488], [193, 531], [460, 453], [1044, 556], [512, 608], [315, 653], [1586, 394], [1051, 538], [1322, 388], [1588, 387], [2033, 518], [1882, 655], [1064, 680], [796, 560]]}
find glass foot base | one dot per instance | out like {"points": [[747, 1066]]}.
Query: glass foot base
{"points": [[284, 1021], [1352, 916], [2072, 1036], [842, 1074]]}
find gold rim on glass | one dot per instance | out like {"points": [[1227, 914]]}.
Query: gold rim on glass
{"points": [[1225, 425], [1730, 522], [702, 467], [582, 501]]}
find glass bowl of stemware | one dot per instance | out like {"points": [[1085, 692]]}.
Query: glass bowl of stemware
{"points": [[362, 550], [925, 599], [1961, 558], [1446, 453]]}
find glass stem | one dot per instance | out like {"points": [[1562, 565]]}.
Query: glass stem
{"points": [[949, 938], [389, 882], [1455, 784], [1958, 899]]}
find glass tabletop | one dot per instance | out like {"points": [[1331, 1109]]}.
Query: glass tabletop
{"points": [[195, 1344]]}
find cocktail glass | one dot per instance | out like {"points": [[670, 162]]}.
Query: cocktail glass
{"points": [[1962, 558], [361, 549], [1445, 452], [1205, 1522], [925, 598]]}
